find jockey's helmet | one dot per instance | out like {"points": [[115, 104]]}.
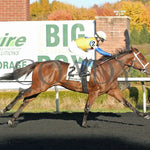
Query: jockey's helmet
{"points": [[101, 35]]}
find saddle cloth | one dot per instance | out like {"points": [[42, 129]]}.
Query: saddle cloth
{"points": [[74, 70]]}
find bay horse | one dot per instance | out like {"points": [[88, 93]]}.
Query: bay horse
{"points": [[103, 79]]}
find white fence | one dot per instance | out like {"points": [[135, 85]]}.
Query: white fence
{"points": [[142, 80]]}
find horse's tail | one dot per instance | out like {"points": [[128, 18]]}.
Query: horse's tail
{"points": [[19, 72]]}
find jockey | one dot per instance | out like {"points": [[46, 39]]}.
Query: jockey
{"points": [[82, 45]]}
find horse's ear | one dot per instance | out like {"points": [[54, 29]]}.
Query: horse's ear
{"points": [[132, 48]]}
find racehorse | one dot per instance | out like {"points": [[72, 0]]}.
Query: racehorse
{"points": [[103, 79]]}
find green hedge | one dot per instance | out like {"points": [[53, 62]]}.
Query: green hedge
{"points": [[73, 101]]}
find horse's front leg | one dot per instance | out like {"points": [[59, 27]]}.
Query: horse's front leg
{"points": [[116, 93], [90, 100]]}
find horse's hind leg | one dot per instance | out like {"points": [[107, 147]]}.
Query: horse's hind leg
{"points": [[22, 106], [28, 95], [10, 105], [116, 93]]}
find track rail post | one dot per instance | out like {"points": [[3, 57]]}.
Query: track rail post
{"points": [[57, 99], [144, 97]]}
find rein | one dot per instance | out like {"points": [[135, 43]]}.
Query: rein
{"points": [[132, 65], [102, 62]]}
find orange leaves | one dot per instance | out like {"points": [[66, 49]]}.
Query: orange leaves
{"points": [[84, 14], [138, 12], [60, 15], [39, 11], [70, 12], [105, 10], [35, 10]]}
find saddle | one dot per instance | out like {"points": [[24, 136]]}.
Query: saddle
{"points": [[80, 72], [84, 70]]}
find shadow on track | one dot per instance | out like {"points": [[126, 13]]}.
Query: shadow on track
{"points": [[51, 131], [71, 143], [77, 116]]}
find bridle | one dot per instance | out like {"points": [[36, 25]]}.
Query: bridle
{"points": [[136, 57]]}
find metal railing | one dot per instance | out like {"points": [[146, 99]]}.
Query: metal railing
{"points": [[142, 80], [129, 79]]}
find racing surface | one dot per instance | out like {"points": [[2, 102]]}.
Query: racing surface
{"points": [[63, 131]]}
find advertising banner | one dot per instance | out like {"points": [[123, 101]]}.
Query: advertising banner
{"points": [[31, 41]]}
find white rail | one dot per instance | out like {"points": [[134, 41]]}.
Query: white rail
{"points": [[130, 79], [142, 80]]}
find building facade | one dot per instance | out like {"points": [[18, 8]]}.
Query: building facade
{"points": [[14, 10]]}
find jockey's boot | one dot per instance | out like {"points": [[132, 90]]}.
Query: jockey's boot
{"points": [[83, 70]]}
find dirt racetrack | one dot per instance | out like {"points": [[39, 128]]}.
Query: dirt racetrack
{"points": [[50, 131]]}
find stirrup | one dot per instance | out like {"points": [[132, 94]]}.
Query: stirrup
{"points": [[84, 74]]}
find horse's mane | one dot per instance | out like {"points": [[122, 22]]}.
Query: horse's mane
{"points": [[120, 53]]}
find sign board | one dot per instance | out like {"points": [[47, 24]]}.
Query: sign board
{"points": [[31, 41]]}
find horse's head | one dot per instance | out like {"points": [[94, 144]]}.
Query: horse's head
{"points": [[140, 61]]}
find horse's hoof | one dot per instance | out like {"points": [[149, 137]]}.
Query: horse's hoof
{"points": [[10, 123], [84, 125], [147, 117], [1, 112]]}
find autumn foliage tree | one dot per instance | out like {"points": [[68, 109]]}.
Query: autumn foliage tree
{"points": [[60, 15], [39, 10], [72, 11], [105, 10], [137, 10]]}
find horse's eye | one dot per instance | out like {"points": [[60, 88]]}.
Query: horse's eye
{"points": [[143, 58]]}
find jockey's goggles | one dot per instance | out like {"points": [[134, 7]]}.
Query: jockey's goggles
{"points": [[101, 39]]}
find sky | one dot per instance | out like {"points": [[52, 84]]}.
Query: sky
{"points": [[82, 3]]}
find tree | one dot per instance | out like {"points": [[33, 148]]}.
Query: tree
{"points": [[35, 10], [105, 10], [39, 10], [60, 15], [144, 35], [136, 12], [134, 36], [143, 1], [45, 8], [85, 14]]}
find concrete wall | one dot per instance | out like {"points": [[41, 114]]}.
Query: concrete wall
{"points": [[14, 10], [117, 30]]}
